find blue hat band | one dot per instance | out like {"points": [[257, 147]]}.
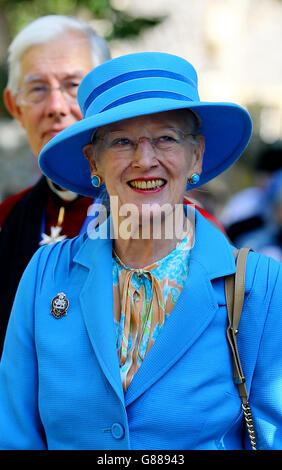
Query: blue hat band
{"points": [[126, 78], [146, 95]]}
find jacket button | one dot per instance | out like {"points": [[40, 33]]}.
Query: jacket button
{"points": [[117, 431]]}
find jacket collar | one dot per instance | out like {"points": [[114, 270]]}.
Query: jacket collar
{"points": [[211, 257], [211, 248]]}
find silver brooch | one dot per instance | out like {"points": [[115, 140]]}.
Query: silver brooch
{"points": [[59, 305]]}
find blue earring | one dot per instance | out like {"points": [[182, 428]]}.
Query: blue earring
{"points": [[96, 181], [194, 178]]}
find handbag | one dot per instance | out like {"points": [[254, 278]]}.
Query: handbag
{"points": [[235, 293]]}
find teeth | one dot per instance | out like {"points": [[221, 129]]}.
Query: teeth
{"points": [[150, 184]]}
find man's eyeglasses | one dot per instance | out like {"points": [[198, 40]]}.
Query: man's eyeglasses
{"points": [[167, 140], [37, 92]]}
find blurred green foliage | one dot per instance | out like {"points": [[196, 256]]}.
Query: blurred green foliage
{"points": [[18, 13]]}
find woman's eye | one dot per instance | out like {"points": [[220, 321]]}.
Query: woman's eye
{"points": [[121, 142], [167, 138]]}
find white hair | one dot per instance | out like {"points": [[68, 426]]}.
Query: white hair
{"points": [[46, 29]]}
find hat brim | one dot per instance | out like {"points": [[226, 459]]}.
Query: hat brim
{"points": [[227, 128]]}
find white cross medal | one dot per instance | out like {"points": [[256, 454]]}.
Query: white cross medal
{"points": [[59, 305]]}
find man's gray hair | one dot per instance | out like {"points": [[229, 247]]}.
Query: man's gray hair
{"points": [[45, 29]]}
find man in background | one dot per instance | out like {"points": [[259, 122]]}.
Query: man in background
{"points": [[47, 61]]}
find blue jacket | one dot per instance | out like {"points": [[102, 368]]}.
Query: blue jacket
{"points": [[60, 385]]}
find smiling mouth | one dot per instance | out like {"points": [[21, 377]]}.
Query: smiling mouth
{"points": [[147, 185]]}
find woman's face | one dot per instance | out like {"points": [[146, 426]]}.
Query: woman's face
{"points": [[156, 170]]}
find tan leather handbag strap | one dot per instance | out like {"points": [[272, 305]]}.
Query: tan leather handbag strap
{"points": [[235, 293]]}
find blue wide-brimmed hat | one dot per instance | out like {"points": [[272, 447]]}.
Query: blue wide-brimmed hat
{"points": [[140, 84]]}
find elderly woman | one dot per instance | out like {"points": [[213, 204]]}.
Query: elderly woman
{"points": [[117, 338]]}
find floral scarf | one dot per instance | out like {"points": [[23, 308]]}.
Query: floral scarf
{"points": [[143, 300]]}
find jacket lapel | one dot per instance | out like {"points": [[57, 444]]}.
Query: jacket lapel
{"points": [[96, 300]]}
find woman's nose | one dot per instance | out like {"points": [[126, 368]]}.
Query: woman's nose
{"points": [[145, 153]]}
